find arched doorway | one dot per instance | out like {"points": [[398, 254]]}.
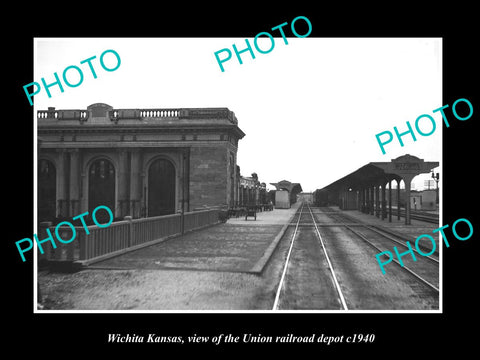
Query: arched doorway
{"points": [[161, 188], [101, 188], [46, 190]]}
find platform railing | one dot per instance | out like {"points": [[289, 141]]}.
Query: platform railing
{"points": [[102, 241], [121, 236], [149, 229], [198, 219]]}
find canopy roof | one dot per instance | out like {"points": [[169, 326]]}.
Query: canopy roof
{"points": [[379, 173], [287, 185]]}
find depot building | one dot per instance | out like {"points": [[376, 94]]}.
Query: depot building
{"points": [[138, 162]]}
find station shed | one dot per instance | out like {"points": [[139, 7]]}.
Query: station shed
{"points": [[293, 189], [282, 199], [365, 188]]}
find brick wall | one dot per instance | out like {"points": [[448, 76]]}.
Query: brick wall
{"points": [[208, 176]]}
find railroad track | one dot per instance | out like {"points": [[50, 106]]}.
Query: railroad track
{"points": [[421, 277], [393, 237], [426, 217], [433, 219], [376, 237], [313, 225]]}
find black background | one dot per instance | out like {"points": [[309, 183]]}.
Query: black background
{"points": [[64, 335]]}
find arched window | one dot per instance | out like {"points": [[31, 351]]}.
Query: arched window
{"points": [[161, 188], [46, 190], [101, 187]]}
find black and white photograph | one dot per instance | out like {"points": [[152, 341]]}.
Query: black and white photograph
{"points": [[217, 182], [218, 197]]}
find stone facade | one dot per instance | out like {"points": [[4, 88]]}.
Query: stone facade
{"points": [[141, 162], [252, 191]]}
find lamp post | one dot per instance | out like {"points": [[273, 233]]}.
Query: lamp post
{"points": [[436, 177]]}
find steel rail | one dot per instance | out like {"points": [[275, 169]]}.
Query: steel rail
{"points": [[380, 232], [395, 261], [337, 285], [361, 236], [282, 279], [387, 236]]}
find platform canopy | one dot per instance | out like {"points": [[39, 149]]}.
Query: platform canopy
{"points": [[375, 174], [363, 177], [289, 186], [378, 173]]}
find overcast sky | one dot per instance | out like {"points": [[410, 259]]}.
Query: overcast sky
{"points": [[310, 109]]}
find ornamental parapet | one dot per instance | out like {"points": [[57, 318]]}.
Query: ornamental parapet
{"points": [[106, 113]]}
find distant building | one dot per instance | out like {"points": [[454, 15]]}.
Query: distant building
{"points": [[419, 200], [138, 162], [293, 189], [305, 197], [252, 191]]}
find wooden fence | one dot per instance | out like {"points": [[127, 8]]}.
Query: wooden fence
{"points": [[121, 236]]}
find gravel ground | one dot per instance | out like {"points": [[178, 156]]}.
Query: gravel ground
{"points": [[150, 290], [363, 284], [308, 282], [162, 289], [156, 278]]}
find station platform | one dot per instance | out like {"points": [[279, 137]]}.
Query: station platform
{"points": [[238, 245], [275, 217]]}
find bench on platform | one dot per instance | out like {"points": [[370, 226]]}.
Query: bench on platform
{"points": [[251, 211]]}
